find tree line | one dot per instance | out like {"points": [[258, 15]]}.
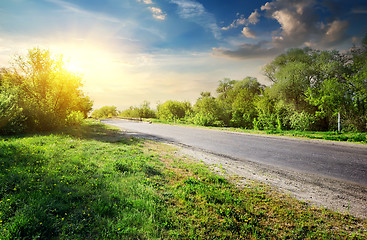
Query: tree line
{"points": [[38, 93], [309, 89]]}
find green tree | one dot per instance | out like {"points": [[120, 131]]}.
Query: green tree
{"points": [[173, 110], [242, 98], [105, 112], [47, 92], [224, 87], [142, 111], [356, 87]]}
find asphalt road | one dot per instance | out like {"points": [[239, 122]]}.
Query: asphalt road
{"points": [[347, 162]]}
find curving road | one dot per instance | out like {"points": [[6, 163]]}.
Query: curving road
{"points": [[346, 162]]}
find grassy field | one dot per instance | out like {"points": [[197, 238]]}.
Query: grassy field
{"points": [[330, 136], [91, 182]]}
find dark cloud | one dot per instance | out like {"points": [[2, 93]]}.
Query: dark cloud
{"points": [[302, 23], [259, 50]]}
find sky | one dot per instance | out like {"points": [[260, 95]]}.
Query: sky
{"points": [[129, 51]]}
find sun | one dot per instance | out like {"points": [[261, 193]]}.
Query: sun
{"points": [[73, 66]]}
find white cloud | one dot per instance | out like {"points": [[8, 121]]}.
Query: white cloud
{"points": [[146, 1], [195, 11], [158, 13], [252, 19], [247, 32]]}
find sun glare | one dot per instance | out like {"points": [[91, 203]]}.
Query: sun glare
{"points": [[73, 67]]}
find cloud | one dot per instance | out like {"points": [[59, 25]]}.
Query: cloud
{"points": [[300, 25], [158, 13], [252, 19], [247, 32], [359, 10], [195, 12], [76, 9], [248, 51], [146, 1]]}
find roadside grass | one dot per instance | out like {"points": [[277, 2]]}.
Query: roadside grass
{"points": [[92, 182], [330, 135]]}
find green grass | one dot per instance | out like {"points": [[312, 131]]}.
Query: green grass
{"points": [[91, 182]]}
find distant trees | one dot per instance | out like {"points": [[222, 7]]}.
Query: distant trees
{"points": [[142, 111], [105, 112], [173, 110], [309, 89], [38, 93]]}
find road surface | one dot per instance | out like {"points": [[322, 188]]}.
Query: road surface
{"points": [[345, 162]]}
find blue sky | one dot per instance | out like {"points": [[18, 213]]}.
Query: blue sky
{"points": [[135, 50]]}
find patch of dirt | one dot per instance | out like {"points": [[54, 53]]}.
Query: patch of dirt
{"points": [[341, 196]]}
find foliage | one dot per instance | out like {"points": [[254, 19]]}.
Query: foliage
{"points": [[75, 118], [11, 117], [142, 111], [173, 110], [310, 87], [105, 112], [301, 121], [44, 90]]}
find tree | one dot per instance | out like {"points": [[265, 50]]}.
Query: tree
{"points": [[173, 110], [356, 86], [47, 92], [105, 112], [143, 111], [224, 87], [242, 98]]}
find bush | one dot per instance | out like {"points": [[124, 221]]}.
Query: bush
{"points": [[143, 111], [301, 121], [173, 110], [105, 112], [74, 118], [266, 122], [11, 115], [207, 119], [39, 92]]}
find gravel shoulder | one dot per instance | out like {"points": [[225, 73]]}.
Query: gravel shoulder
{"points": [[320, 191]]}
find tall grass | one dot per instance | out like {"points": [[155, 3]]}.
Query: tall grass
{"points": [[91, 182]]}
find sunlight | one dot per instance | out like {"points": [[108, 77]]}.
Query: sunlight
{"points": [[73, 67]]}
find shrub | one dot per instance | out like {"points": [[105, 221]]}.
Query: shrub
{"points": [[40, 92], [173, 110], [11, 115], [74, 118], [105, 112], [206, 119], [301, 121]]}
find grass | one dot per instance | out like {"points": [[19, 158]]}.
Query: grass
{"points": [[91, 182], [330, 135]]}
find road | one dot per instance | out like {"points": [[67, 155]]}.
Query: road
{"points": [[345, 162]]}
